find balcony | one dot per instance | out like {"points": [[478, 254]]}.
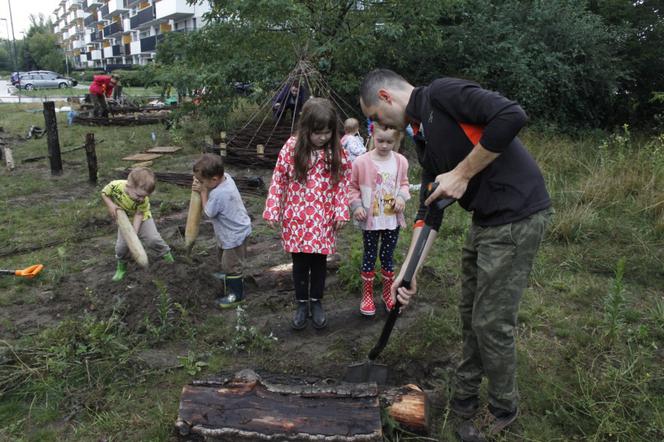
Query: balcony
{"points": [[90, 19], [87, 39], [95, 54], [77, 44], [84, 58], [94, 3], [72, 4], [113, 51], [96, 36], [126, 25], [112, 29], [147, 44], [65, 35], [80, 13], [103, 11], [142, 18], [173, 9], [116, 6]]}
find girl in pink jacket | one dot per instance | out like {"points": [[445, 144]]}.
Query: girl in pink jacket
{"points": [[308, 197], [378, 195]]}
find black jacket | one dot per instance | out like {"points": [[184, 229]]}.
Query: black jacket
{"points": [[512, 186]]}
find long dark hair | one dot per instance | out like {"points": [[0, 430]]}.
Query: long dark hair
{"points": [[317, 114]]}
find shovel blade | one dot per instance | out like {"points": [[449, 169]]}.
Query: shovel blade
{"points": [[366, 372]]}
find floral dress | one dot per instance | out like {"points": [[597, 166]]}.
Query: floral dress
{"points": [[307, 210]]}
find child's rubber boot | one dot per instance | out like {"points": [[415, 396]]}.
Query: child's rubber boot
{"points": [[234, 292], [169, 258], [120, 271], [388, 279], [367, 306]]}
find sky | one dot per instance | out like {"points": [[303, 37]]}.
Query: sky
{"points": [[21, 10]]}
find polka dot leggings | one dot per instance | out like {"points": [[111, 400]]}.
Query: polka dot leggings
{"points": [[388, 242]]}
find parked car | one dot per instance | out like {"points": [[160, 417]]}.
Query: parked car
{"points": [[44, 80]]}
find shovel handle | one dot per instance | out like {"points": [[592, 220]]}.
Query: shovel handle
{"points": [[411, 268]]}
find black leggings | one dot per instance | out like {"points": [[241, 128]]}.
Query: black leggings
{"points": [[309, 267]]}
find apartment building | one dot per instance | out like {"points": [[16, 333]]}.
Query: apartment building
{"points": [[102, 33]]}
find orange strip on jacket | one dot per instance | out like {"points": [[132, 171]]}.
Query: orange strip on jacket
{"points": [[473, 132]]}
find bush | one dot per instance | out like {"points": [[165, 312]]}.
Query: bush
{"points": [[135, 77], [87, 75]]}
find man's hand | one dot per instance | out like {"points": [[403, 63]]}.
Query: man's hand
{"points": [[399, 204], [360, 214], [450, 185], [403, 293], [272, 224]]}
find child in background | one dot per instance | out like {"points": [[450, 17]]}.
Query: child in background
{"points": [[222, 203], [352, 141], [378, 195], [308, 196], [131, 195]]}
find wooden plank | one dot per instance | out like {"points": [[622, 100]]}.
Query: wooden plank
{"points": [[164, 149], [247, 408], [142, 164], [142, 157]]}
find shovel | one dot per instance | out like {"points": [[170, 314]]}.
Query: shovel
{"points": [[28, 272], [369, 371]]}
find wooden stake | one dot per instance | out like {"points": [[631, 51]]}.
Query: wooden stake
{"points": [[131, 238], [260, 150], [193, 220], [52, 137], [9, 158], [222, 149], [91, 156]]}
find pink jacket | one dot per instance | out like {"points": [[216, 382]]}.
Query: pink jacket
{"points": [[101, 85], [363, 185], [307, 211]]}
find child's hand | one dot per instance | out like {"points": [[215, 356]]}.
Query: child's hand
{"points": [[338, 225], [360, 214], [196, 186], [113, 210], [272, 224], [399, 204]]}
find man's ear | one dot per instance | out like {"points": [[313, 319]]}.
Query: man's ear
{"points": [[384, 95]]}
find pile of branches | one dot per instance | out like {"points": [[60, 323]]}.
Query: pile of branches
{"points": [[130, 119]]}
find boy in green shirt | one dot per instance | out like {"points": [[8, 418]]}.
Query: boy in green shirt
{"points": [[131, 195]]}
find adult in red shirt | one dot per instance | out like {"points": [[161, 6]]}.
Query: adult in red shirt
{"points": [[101, 88]]}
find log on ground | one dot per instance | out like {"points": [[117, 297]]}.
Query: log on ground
{"points": [[247, 408]]}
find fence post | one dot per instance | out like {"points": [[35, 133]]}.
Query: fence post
{"points": [[52, 135], [91, 156]]}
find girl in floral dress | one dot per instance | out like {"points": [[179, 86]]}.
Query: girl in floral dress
{"points": [[308, 197]]}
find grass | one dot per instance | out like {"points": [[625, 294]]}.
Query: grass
{"points": [[591, 324]]}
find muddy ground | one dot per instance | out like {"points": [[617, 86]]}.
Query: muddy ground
{"points": [[190, 283]]}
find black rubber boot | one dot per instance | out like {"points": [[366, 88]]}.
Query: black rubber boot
{"points": [[318, 314], [301, 315], [234, 292]]}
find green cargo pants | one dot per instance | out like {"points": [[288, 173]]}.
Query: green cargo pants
{"points": [[495, 264]]}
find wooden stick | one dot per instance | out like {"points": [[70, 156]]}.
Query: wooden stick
{"points": [[131, 238], [193, 220], [91, 156]]}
